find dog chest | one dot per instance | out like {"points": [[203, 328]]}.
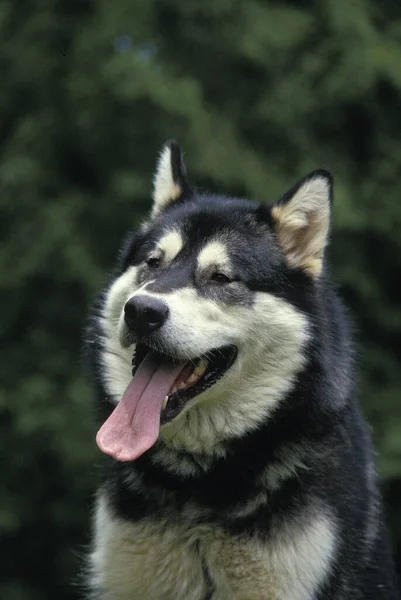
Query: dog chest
{"points": [[156, 560]]}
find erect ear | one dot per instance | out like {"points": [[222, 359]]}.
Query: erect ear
{"points": [[302, 219], [170, 182]]}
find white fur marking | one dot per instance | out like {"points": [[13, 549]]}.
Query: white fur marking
{"points": [[145, 561], [171, 245], [152, 559], [117, 359], [214, 254]]}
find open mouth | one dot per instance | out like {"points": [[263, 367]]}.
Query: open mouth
{"points": [[159, 389], [196, 376]]}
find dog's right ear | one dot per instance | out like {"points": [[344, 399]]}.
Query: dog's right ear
{"points": [[170, 182]]}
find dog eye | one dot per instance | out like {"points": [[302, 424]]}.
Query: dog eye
{"points": [[220, 278], [153, 262]]}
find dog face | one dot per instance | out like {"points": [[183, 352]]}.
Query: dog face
{"points": [[217, 290]]}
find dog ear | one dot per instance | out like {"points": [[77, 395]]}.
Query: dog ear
{"points": [[170, 183], [301, 220]]}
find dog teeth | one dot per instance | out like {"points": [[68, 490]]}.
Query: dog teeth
{"points": [[193, 378], [200, 369], [165, 402]]}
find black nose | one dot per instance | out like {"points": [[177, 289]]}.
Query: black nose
{"points": [[144, 314]]}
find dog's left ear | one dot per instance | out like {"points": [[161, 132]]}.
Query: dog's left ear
{"points": [[301, 219], [170, 182]]}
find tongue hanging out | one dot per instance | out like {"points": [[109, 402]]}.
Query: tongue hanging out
{"points": [[160, 389], [134, 425]]}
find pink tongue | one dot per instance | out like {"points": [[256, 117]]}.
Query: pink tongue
{"points": [[133, 427]]}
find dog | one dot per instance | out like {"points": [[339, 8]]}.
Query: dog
{"points": [[238, 465]]}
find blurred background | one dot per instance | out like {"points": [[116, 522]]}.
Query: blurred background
{"points": [[258, 93]]}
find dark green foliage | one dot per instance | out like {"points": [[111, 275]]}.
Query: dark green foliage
{"points": [[258, 94]]}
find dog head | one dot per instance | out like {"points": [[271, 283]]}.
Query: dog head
{"points": [[204, 327]]}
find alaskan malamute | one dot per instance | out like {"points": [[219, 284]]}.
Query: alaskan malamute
{"points": [[239, 467]]}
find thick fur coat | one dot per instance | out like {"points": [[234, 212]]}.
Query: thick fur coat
{"points": [[257, 482]]}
